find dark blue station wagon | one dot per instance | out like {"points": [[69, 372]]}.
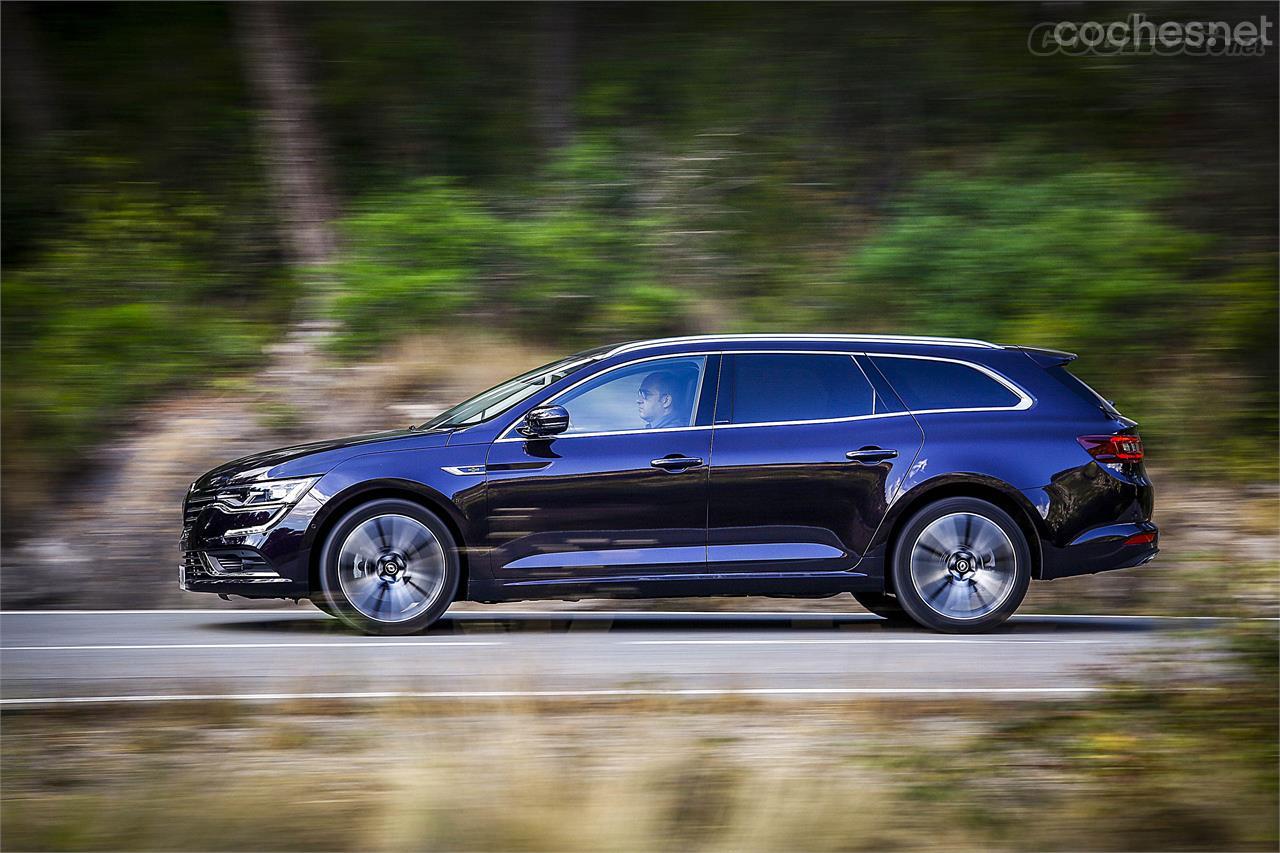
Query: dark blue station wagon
{"points": [[932, 478]]}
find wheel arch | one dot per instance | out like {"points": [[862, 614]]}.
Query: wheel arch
{"points": [[988, 489], [343, 502]]}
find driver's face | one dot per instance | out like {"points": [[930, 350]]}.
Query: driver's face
{"points": [[651, 404]]}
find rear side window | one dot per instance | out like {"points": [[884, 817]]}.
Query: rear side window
{"points": [[769, 388], [923, 385]]}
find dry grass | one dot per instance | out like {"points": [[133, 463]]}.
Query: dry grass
{"points": [[1147, 767]]}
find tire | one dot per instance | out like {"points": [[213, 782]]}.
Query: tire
{"points": [[883, 605], [961, 566], [324, 606], [389, 567]]}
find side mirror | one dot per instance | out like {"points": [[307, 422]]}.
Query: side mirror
{"points": [[544, 421]]}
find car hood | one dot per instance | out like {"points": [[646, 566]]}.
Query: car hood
{"points": [[317, 457]]}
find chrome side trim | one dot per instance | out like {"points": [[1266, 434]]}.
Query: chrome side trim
{"points": [[563, 437], [1025, 400], [688, 576], [751, 552], [464, 470]]}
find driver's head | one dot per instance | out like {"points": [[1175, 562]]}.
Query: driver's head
{"points": [[656, 398]]}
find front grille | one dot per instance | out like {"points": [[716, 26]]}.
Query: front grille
{"points": [[194, 505], [228, 567]]}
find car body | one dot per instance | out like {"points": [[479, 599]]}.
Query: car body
{"points": [[783, 465]]}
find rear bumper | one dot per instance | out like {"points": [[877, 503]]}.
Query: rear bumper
{"points": [[1102, 549]]}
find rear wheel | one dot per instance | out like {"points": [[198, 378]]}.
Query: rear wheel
{"points": [[883, 605], [961, 565], [389, 567]]}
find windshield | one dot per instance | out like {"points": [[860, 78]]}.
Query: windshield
{"points": [[500, 398]]}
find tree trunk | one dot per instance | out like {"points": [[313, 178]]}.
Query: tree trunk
{"points": [[27, 90], [553, 75], [294, 151], [296, 170]]}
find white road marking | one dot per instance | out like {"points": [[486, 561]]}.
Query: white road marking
{"points": [[335, 645], [206, 611], [859, 641], [600, 614], [842, 641], [566, 694]]}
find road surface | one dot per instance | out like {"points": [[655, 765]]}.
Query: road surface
{"points": [[149, 656]]}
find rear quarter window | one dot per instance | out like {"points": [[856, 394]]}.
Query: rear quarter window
{"points": [[1077, 386], [924, 384]]}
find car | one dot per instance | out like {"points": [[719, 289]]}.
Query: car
{"points": [[931, 478]]}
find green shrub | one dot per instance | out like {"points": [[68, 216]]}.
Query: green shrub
{"points": [[109, 313], [575, 262], [1069, 253]]}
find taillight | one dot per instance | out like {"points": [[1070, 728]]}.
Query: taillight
{"points": [[1113, 448]]}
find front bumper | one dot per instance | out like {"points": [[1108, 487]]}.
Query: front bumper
{"points": [[240, 571], [220, 556]]}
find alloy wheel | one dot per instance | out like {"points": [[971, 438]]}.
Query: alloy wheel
{"points": [[391, 568], [963, 565]]}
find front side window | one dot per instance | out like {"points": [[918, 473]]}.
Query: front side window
{"points": [[926, 384], [657, 394], [776, 387]]}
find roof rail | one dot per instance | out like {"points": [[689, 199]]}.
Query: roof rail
{"points": [[879, 339]]}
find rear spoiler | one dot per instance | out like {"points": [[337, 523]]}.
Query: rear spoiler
{"points": [[1047, 357]]}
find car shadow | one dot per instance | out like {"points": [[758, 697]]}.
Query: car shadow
{"points": [[473, 622]]}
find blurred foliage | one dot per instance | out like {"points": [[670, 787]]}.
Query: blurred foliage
{"points": [[1062, 251], [126, 301], [749, 167], [576, 262]]}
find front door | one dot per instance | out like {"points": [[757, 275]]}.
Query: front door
{"points": [[808, 454], [621, 496]]}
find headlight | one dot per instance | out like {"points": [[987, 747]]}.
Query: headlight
{"points": [[266, 494]]}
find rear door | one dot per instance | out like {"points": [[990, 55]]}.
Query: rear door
{"points": [[807, 456]]}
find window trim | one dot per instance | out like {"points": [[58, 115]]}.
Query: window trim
{"points": [[1025, 400]]}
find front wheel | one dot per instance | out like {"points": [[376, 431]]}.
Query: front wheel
{"points": [[883, 605], [389, 567], [324, 606], [961, 565]]}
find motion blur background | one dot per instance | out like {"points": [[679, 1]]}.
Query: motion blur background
{"points": [[231, 227]]}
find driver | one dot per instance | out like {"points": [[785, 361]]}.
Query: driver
{"points": [[656, 400]]}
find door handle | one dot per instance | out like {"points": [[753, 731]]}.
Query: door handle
{"points": [[676, 463], [870, 455]]}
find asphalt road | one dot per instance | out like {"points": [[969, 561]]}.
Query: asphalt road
{"points": [[148, 656]]}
